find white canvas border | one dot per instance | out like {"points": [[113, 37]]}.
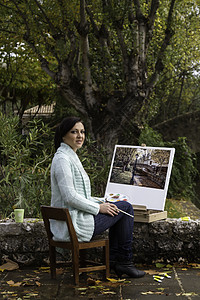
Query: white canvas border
{"points": [[150, 197]]}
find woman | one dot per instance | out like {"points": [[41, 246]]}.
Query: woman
{"points": [[70, 188]]}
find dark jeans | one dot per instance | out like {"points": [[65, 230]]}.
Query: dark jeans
{"points": [[120, 231]]}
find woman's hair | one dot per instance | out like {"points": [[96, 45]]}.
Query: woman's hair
{"points": [[66, 125]]}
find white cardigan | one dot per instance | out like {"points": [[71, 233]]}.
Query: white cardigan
{"points": [[70, 188]]}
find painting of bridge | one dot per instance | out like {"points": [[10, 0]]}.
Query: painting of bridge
{"points": [[142, 167]]}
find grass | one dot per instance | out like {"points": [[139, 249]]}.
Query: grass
{"points": [[173, 209], [181, 208]]}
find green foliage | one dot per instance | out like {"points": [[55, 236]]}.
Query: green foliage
{"points": [[96, 163], [184, 165], [172, 210], [49, 30], [184, 170], [150, 137], [25, 165]]}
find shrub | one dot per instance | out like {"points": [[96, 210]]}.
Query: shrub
{"points": [[184, 171], [96, 164], [25, 164]]}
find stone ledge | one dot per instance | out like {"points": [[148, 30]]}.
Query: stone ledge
{"points": [[167, 240]]}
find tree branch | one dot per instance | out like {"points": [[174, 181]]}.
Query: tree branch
{"points": [[83, 31], [151, 20], [159, 66]]}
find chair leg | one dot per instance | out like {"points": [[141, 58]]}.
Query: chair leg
{"points": [[52, 256], [107, 261], [75, 262]]}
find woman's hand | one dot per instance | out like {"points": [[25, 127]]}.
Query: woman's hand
{"points": [[108, 208]]}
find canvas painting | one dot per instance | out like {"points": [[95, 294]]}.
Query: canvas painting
{"points": [[140, 175]]}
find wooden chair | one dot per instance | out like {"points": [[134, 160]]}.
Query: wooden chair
{"points": [[62, 214]]}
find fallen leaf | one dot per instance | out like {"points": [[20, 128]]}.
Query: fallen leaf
{"points": [[17, 284], [115, 280], [195, 266], [152, 272], [91, 281], [166, 272], [127, 281], [93, 287], [159, 265], [187, 294], [82, 289], [108, 293], [147, 293], [98, 281], [9, 265], [10, 282], [44, 268], [152, 293]]}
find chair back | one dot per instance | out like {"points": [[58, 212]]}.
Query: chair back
{"points": [[59, 214]]}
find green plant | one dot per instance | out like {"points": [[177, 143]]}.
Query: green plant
{"points": [[173, 210], [150, 137], [184, 168], [96, 163], [25, 166]]}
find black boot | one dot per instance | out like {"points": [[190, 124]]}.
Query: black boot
{"points": [[127, 268]]}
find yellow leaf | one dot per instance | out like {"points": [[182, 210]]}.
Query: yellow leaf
{"points": [[159, 265], [10, 282], [17, 284], [127, 281], [147, 293], [108, 293], [115, 280], [98, 281], [82, 289]]}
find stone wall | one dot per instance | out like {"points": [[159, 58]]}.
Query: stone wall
{"points": [[168, 240]]}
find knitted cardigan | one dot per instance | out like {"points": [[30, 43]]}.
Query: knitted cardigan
{"points": [[70, 188]]}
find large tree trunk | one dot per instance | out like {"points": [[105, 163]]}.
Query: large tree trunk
{"points": [[110, 116], [109, 125]]}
